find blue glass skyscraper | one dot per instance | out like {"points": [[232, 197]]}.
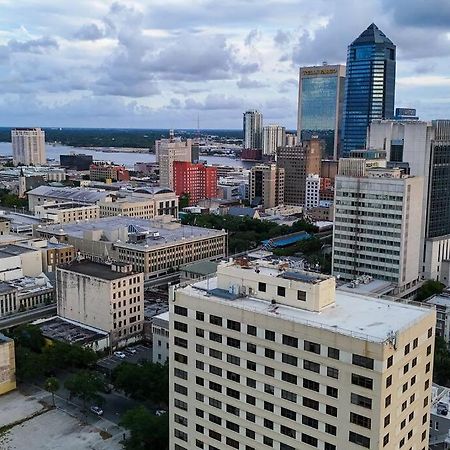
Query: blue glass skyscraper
{"points": [[369, 87]]}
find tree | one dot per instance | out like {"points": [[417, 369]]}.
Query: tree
{"points": [[441, 371], [29, 336], [85, 385], [428, 289], [52, 386], [183, 201], [147, 430]]}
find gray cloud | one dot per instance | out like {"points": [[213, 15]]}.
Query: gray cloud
{"points": [[90, 32], [282, 38], [253, 36], [40, 45], [247, 83]]}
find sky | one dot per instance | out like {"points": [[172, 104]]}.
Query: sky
{"points": [[174, 63]]}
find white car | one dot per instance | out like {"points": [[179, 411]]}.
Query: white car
{"points": [[132, 351], [97, 410], [120, 355]]}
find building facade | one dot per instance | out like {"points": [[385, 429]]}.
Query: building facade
{"points": [[7, 365], [28, 146], [67, 212], [101, 171], [196, 180], [370, 86], [376, 227], [266, 185], [167, 152], [312, 193], [253, 128], [298, 162], [264, 356], [320, 104], [274, 136], [160, 338], [107, 297]]}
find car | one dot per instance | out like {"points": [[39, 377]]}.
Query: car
{"points": [[96, 410], [442, 408], [133, 351], [160, 412], [120, 355]]}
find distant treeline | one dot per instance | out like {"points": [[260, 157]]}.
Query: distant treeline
{"points": [[115, 137]]}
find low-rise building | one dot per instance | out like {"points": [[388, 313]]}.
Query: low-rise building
{"points": [[17, 261], [107, 297], [160, 333], [129, 206], [152, 247], [7, 365], [103, 170], [440, 418], [442, 304], [67, 212]]}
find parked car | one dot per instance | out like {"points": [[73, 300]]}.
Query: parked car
{"points": [[120, 355], [133, 351], [442, 408], [97, 410], [160, 412]]}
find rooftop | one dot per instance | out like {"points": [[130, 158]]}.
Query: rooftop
{"points": [[440, 300], [372, 35], [63, 206], [94, 269], [4, 338], [200, 267], [360, 316], [72, 194], [7, 251]]}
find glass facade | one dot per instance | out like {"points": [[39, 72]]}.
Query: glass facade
{"points": [[370, 86]]}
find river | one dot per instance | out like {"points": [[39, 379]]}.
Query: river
{"points": [[123, 158]]}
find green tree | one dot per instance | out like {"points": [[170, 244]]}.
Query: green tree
{"points": [[441, 371], [28, 364], [86, 386], [183, 201], [147, 430], [52, 386], [428, 289], [29, 336]]}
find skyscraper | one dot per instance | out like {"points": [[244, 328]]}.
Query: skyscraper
{"points": [[28, 146], [320, 102], [253, 124], [370, 86], [274, 136], [266, 185]]}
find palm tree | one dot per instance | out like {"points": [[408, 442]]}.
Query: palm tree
{"points": [[52, 386]]}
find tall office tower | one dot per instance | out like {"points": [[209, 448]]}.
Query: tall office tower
{"points": [[266, 185], [28, 146], [274, 136], [423, 149], [370, 86], [377, 227], [263, 356], [170, 150], [253, 126], [291, 139], [196, 180], [298, 162], [320, 103]]}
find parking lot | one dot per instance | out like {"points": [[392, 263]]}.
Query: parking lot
{"points": [[134, 354]]}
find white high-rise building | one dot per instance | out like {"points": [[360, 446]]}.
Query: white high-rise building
{"points": [[263, 356], [28, 146], [377, 227], [312, 191], [253, 127], [274, 136]]}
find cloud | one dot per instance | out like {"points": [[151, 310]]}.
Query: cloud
{"points": [[215, 102], [90, 32], [282, 38], [253, 36], [247, 83], [39, 45]]}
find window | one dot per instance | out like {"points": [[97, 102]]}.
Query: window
{"points": [[301, 295], [180, 389], [215, 320], [232, 443], [387, 420], [359, 439], [362, 421], [332, 391], [268, 406], [269, 389], [285, 376], [232, 426], [215, 419], [429, 350], [233, 393], [360, 400], [180, 310], [199, 348], [269, 371], [180, 373], [289, 359], [388, 381], [288, 431], [387, 400], [362, 361], [329, 446], [312, 366], [234, 360], [407, 349], [309, 440], [213, 434], [215, 403], [430, 332], [414, 362], [331, 410], [180, 326], [216, 337], [261, 287], [251, 330], [236, 343], [390, 361], [233, 376], [250, 400], [268, 424], [405, 368], [251, 347], [251, 382], [180, 358], [290, 396], [251, 365], [250, 417], [330, 429], [233, 325], [288, 413], [333, 353], [268, 441], [180, 342], [200, 316], [290, 340], [215, 353], [312, 347], [269, 353], [364, 382], [386, 440], [312, 385], [332, 372], [310, 403], [200, 332], [281, 291], [415, 343], [269, 335], [215, 386]]}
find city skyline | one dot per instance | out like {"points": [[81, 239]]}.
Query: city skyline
{"points": [[129, 65]]}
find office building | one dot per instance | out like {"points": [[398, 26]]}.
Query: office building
{"points": [[370, 86], [298, 162], [265, 356], [7, 365], [107, 297], [106, 171], [155, 247], [377, 228], [312, 191], [253, 128], [160, 338], [168, 151], [320, 103], [291, 139], [78, 161], [266, 185], [442, 304], [28, 146], [274, 136], [67, 212], [196, 180]]}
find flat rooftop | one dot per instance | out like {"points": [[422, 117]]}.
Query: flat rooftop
{"points": [[63, 206], [14, 250], [94, 269], [440, 300], [167, 233], [360, 316]]}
